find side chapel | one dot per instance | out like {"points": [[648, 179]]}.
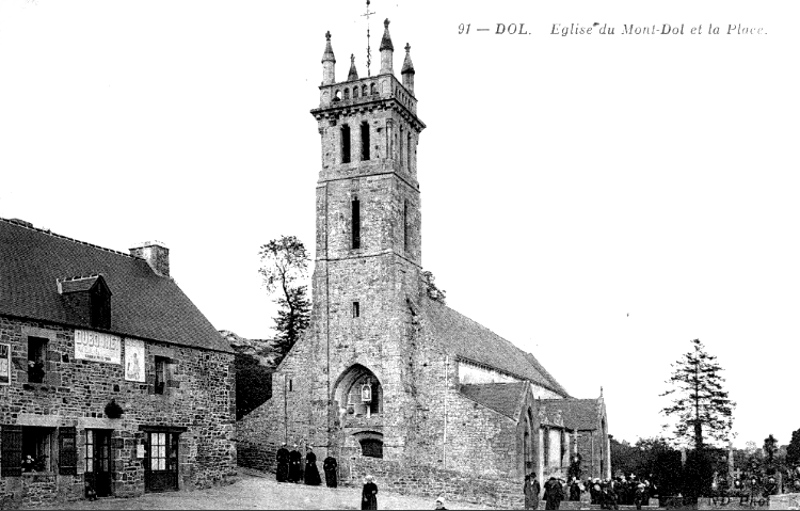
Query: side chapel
{"points": [[387, 378]]}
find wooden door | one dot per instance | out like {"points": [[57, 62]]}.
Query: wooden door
{"points": [[161, 462], [98, 461]]}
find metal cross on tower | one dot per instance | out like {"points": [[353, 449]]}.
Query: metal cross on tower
{"points": [[369, 52]]}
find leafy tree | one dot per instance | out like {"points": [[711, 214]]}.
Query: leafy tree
{"points": [[625, 458], [700, 404], [770, 447], [661, 463], [284, 266], [434, 293], [793, 450], [253, 383]]}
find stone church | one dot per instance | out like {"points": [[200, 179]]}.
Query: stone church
{"points": [[387, 378]]}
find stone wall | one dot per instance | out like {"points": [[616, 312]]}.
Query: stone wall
{"points": [[785, 501], [423, 480], [199, 396]]}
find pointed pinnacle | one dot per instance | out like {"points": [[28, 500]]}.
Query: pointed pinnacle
{"points": [[386, 42]]}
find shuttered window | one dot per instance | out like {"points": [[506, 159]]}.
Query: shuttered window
{"points": [[12, 451], [68, 453]]}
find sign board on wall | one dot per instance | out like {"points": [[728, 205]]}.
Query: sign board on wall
{"points": [[5, 364], [98, 347], [134, 360]]}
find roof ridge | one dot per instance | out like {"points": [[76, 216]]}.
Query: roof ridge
{"points": [[51, 233], [79, 277]]}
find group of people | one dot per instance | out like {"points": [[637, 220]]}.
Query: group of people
{"points": [[608, 493], [749, 489], [553, 492], [290, 468]]}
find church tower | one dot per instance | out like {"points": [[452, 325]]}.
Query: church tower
{"points": [[368, 254]]}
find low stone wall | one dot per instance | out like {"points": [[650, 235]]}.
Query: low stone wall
{"points": [[785, 501], [733, 503], [258, 456], [432, 482]]}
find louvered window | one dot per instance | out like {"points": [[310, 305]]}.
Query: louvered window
{"points": [[67, 452], [12, 451]]}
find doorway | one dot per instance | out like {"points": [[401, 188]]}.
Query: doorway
{"points": [[161, 461], [98, 461]]}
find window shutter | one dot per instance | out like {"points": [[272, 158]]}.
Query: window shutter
{"points": [[68, 453], [12, 451]]}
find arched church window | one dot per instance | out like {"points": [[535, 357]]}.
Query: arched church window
{"points": [[347, 94], [355, 92], [345, 144], [337, 96], [364, 90], [372, 89], [364, 141]]}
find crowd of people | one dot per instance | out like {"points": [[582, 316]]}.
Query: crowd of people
{"points": [[607, 493]]}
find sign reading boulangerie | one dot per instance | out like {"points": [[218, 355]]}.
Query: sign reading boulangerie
{"points": [[134, 360], [5, 364], [98, 347]]}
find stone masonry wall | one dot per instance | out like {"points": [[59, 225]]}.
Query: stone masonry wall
{"points": [[423, 480], [199, 396]]}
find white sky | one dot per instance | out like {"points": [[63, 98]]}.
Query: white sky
{"points": [[567, 181]]}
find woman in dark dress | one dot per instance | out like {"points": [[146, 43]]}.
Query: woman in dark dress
{"points": [[369, 494], [329, 466], [311, 473]]}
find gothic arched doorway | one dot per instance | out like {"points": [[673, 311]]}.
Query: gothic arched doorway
{"points": [[359, 393]]}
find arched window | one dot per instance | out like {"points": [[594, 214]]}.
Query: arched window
{"points": [[364, 141], [371, 443], [355, 92], [372, 89], [345, 144], [347, 94], [364, 90]]}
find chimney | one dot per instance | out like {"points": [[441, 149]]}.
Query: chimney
{"points": [[156, 255]]}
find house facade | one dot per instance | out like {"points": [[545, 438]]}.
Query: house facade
{"points": [[112, 383]]}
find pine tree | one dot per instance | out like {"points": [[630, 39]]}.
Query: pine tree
{"points": [[793, 451], [284, 265], [701, 406]]}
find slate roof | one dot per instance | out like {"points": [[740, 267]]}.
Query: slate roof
{"points": [[458, 334], [578, 414], [503, 398], [143, 304]]}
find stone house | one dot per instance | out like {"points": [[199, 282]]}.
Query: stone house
{"points": [[110, 378], [387, 378]]}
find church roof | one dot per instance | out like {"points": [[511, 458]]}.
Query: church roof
{"points": [[503, 398], [472, 341], [577, 414], [144, 304]]}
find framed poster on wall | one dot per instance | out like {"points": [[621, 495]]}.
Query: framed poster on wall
{"points": [[134, 360], [5, 364]]}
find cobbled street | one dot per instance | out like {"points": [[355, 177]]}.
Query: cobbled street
{"points": [[255, 490]]}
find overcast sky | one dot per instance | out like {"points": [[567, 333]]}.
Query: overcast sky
{"points": [[598, 200]]}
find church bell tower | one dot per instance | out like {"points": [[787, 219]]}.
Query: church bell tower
{"points": [[368, 253]]}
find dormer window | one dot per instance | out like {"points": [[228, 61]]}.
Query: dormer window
{"points": [[87, 300]]}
